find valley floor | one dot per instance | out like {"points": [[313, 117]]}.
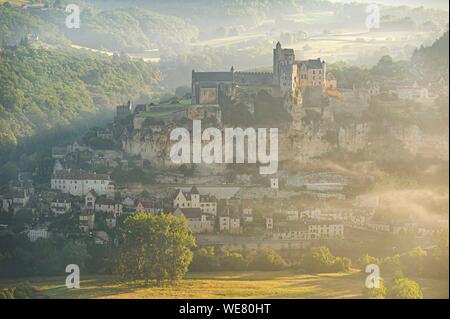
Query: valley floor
{"points": [[277, 284]]}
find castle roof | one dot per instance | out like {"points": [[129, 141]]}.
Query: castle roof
{"points": [[194, 190], [212, 76], [312, 64]]}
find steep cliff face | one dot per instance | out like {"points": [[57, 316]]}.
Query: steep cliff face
{"points": [[152, 144]]}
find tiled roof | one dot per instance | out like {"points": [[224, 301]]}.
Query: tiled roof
{"points": [[312, 64], [79, 175], [208, 198], [192, 212]]}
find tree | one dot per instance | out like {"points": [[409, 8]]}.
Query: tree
{"points": [[204, 259], [412, 262], [154, 247], [318, 259], [376, 293], [75, 252], [266, 259], [404, 288], [232, 261], [342, 264], [365, 260]]}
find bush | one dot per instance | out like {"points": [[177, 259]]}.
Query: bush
{"points": [[7, 293], [23, 291], [265, 259], [412, 262], [320, 259], [404, 288], [376, 293], [391, 265], [204, 259], [232, 261], [365, 260], [342, 264]]}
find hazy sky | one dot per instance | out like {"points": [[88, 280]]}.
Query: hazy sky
{"points": [[439, 4]]}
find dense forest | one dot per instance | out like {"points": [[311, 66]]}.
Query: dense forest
{"points": [[40, 88]]}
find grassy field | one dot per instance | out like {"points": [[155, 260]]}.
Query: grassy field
{"points": [[279, 284]]}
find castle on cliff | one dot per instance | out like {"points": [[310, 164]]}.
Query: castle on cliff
{"points": [[290, 78]]}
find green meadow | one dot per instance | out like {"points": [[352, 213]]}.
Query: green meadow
{"points": [[216, 285]]}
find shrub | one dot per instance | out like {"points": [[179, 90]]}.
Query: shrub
{"points": [[391, 265], [265, 259], [412, 262], [23, 291], [232, 261], [376, 293], [365, 260], [342, 264], [404, 288], [318, 259], [7, 293], [204, 259]]}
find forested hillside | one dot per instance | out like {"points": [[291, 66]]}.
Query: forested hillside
{"points": [[122, 29], [40, 89], [433, 60]]}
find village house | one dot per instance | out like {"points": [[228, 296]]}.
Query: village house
{"points": [[292, 214], [378, 226], [60, 205], [79, 183], [229, 221], [291, 232], [111, 220], [310, 213], [149, 207], [198, 221], [6, 202], [89, 199], [105, 134], [15, 200], [102, 203], [107, 205], [269, 223], [128, 202], [35, 234], [193, 199], [87, 220], [247, 210], [325, 230]]}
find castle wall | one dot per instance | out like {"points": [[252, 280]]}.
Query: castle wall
{"points": [[253, 78]]}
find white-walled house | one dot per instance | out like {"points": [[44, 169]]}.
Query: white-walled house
{"points": [[198, 221], [35, 234], [107, 205], [325, 230], [193, 199], [79, 183], [60, 206]]}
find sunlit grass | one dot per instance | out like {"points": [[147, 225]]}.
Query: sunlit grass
{"points": [[216, 285]]}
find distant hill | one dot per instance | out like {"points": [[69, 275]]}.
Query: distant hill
{"points": [[121, 29]]}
